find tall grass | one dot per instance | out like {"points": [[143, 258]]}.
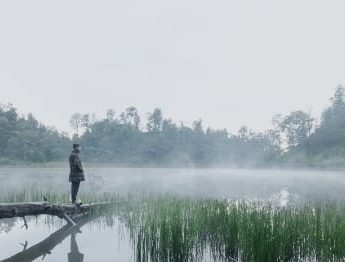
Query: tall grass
{"points": [[177, 229], [54, 197], [170, 228]]}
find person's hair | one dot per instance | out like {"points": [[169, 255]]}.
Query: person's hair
{"points": [[75, 146]]}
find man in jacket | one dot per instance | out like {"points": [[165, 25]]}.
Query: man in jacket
{"points": [[76, 174]]}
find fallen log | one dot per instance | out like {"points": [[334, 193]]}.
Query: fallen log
{"points": [[11, 210]]}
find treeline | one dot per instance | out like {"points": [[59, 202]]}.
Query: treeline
{"points": [[120, 140], [325, 144], [125, 139], [24, 139]]}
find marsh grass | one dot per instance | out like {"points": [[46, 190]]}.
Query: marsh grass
{"points": [[179, 229], [170, 228], [54, 197]]}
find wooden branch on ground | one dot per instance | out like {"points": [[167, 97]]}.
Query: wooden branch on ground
{"points": [[11, 210]]}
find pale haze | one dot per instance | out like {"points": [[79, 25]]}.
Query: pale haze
{"points": [[230, 63]]}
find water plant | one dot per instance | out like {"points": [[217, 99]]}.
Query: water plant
{"points": [[175, 228]]}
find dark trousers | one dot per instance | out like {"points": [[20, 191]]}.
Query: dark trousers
{"points": [[74, 190]]}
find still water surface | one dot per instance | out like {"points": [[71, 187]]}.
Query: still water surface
{"points": [[108, 240]]}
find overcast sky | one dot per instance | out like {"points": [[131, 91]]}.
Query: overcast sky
{"points": [[227, 62]]}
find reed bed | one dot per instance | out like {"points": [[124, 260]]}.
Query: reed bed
{"points": [[170, 228], [177, 229]]}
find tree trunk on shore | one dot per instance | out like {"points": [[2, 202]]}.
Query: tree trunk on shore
{"points": [[11, 210]]}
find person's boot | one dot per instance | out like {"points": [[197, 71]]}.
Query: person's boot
{"points": [[77, 203]]}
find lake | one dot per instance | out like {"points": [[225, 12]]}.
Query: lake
{"points": [[110, 238]]}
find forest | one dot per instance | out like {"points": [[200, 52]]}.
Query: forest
{"points": [[296, 139]]}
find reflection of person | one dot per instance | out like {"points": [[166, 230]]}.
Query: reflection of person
{"points": [[76, 174], [74, 255], [45, 247]]}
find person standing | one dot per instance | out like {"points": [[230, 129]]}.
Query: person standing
{"points": [[76, 174]]}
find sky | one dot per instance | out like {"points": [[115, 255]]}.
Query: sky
{"points": [[230, 63]]}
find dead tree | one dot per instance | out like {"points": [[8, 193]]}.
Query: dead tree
{"points": [[12, 210]]}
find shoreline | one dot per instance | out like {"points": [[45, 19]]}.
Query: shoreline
{"points": [[64, 165]]}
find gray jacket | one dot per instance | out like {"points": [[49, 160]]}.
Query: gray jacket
{"points": [[76, 169]]}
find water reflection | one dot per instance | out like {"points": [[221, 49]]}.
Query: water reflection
{"points": [[75, 255], [44, 248]]}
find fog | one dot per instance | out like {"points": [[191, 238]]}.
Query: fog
{"points": [[191, 85], [230, 63], [234, 184]]}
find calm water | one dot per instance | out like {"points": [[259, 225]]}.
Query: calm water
{"points": [[95, 242], [108, 238]]}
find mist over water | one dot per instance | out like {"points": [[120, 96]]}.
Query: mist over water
{"points": [[205, 183], [279, 187]]}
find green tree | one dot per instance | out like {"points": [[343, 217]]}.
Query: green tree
{"points": [[297, 127], [155, 121], [76, 122]]}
